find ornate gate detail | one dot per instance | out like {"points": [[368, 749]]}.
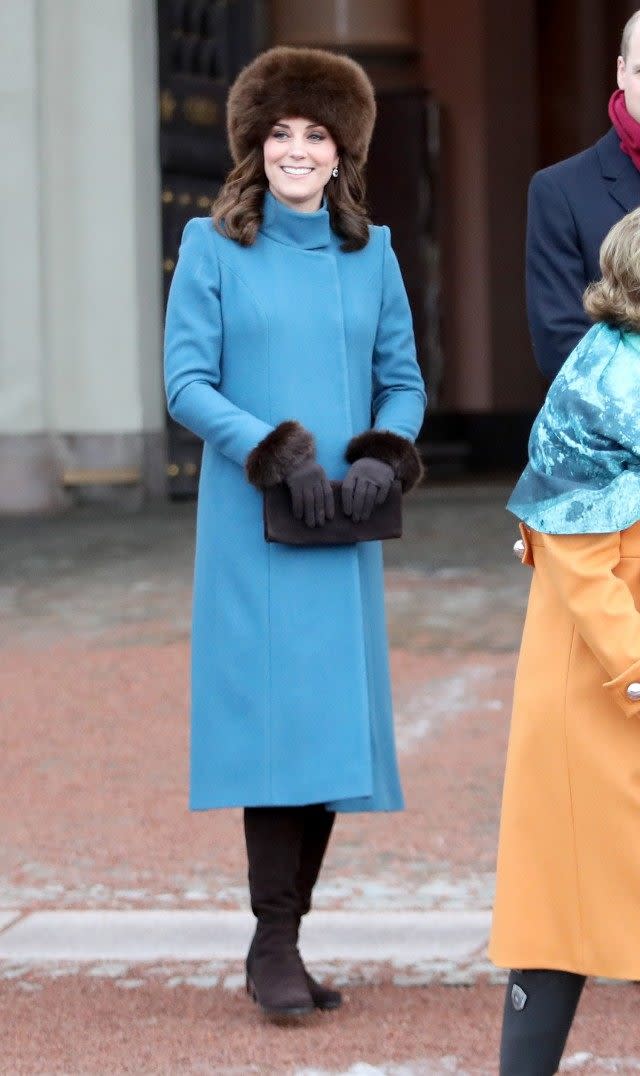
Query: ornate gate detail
{"points": [[202, 46]]}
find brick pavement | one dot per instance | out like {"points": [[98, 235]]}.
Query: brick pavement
{"points": [[94, 619]]}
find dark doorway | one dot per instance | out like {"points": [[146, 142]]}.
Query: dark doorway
{"points": [[406, 199], [577, 46], [202, 46]]}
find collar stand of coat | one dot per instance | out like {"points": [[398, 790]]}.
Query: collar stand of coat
{"points": [[309, 231]]}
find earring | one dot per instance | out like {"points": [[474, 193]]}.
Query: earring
{"points": [[334, 173]]}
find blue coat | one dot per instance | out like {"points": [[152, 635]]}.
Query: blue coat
{"points": [[291, 699], [572, 206]]}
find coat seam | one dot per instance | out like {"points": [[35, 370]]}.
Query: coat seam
{"points": [[571, 797], [269, 722], [268, 731], [333, 262], [378, 271], [565, 198], [386, 242], [234, 272], [269, 728]]}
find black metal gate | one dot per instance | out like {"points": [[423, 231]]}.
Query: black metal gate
{"points": [[202, 46]]}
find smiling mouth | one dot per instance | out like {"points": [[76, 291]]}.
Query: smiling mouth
{"points": [[289, 171]]}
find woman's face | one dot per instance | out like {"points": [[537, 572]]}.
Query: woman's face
{"points": [[299, 156]]}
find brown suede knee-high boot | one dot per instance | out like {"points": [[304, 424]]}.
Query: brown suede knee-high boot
{"points": [[318, 824], [276, 978]]}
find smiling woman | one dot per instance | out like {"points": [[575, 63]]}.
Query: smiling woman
{"points": [[287, 107], [300, 157], [290, 351]]}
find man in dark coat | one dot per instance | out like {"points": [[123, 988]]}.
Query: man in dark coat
{"points": [[572, 206]]}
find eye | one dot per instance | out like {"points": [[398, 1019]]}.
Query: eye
{"points": [[279, 135], [317, 136]]}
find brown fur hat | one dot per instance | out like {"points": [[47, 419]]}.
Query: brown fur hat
{"points": [[309, 83]]}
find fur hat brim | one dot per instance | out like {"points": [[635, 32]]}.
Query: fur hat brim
{"points": [[310, 83]]}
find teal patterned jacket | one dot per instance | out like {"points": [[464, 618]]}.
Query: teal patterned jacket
{"points": [[583, 475]]}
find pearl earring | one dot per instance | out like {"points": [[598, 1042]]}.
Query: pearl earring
{"points": [[334, 173]]}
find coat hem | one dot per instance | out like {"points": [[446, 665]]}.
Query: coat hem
{"points": [[339, 804], [542, 962]]}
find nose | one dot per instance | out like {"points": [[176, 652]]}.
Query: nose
{"points": [[297, 149]]}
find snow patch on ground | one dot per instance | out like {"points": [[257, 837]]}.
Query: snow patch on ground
{"points": [[576, 1063]]}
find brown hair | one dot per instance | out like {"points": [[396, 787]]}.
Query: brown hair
{"points": [[616, 297], [625, 44], [237, 210]]}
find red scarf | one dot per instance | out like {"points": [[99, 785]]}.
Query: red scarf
{"points": [[627, 128]]}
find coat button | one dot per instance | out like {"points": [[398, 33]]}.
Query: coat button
{"points": [[633, 692], [519, 549]]}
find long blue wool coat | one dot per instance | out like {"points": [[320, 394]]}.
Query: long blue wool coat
{"points": [[291, 699]]}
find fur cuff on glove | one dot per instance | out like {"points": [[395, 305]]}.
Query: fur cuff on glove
{"points": [[286, 447], [398, 452]]}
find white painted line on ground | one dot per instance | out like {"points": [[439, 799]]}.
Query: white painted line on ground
{"points": [[402, 938]]}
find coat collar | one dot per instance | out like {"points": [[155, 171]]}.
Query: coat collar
{"points": [[619, 171], [308, 231]]}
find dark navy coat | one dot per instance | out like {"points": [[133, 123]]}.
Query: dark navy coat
{"points": [[572, 206]]}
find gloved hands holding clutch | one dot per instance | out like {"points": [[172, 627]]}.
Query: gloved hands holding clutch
{"points": [[366, 484], [311, 493]]}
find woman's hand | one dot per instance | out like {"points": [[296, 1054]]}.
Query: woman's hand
{"points": [[367, 482], [311, 493]]}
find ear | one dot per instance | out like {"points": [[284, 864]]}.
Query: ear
{"points": [[622, 70]]}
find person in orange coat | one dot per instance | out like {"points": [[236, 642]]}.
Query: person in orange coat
{"points": [[568, 876]]}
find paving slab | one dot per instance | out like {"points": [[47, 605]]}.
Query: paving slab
{"points": [[403, 939]]}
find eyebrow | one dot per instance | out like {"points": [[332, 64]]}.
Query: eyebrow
{"points": [[309, 125]]}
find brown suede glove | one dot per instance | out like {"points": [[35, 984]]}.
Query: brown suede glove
{"points": [[366, 484], [311, 493]]}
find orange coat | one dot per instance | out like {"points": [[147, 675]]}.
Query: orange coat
{"points": [[568, 877]]}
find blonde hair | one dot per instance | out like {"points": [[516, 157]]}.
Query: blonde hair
{"points": [[616, 297], [626, 35]]}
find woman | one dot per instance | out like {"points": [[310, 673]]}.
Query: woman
{"points": [[568, 881], [290, 352]]}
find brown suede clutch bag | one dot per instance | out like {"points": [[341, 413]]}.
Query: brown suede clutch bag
{"points": [[280, 526]]}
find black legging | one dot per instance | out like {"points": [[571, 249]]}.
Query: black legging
{"points": [[538, 1012]]}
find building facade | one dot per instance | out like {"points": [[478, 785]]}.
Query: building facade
{"points": [[112, 134]]}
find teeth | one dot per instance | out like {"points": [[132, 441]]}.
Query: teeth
{"points": [[297, 171]]}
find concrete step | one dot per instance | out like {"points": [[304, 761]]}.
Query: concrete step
{"points": [[403, 939]]}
